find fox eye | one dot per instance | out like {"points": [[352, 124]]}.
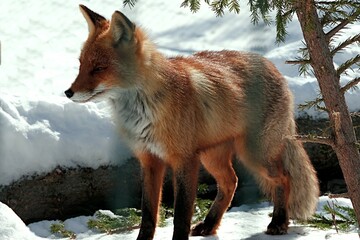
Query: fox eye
{"points": [[98, 69]]}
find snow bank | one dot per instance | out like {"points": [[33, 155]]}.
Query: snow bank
{"points": [[12, 227], [40, 129], [36, 136]]}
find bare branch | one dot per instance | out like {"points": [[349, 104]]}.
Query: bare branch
{"points": [[350, 84], [123, 229], [334, 2], [355, 114], [303, 65], [303, 61], [339, 195], [315, 139]]}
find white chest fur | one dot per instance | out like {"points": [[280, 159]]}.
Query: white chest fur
{"points": [[135, 117]]}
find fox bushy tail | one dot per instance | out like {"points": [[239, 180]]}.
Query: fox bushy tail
{"points": [[304, 187]]}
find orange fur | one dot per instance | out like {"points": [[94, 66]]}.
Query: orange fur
{"points": [[204, 108]]}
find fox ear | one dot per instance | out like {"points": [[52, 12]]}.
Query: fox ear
{"points": [[93, 19], [122, 28]]}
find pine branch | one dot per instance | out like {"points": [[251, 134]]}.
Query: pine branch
{"points": [[313, 104], [130, 3], [346, 43], [259, 8], [283, 17], [234, 6], [193, 4], [350, 84], [332, 211], [336, 29], [315, 139], [304, 65], [304, 61], [346, 65], [218, 7], [342, 24], [327, 17], [280, 26], [337, 12], [254, 12]]}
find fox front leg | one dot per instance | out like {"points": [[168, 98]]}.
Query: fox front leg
{"points": [[185, 184], [152, 177]]}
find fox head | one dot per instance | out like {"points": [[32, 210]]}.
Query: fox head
{"points": [[108, 58]]}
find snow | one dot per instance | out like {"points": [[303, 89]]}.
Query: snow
{"points": [[40, 129], [12, 227], [244, 222], [39, 52], [44, 128]]}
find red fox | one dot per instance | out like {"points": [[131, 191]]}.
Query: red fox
{"points": [[203, 109]]}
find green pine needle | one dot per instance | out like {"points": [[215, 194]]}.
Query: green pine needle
{"points": [[129, 218], [126, 219], [129, 3], [59, 229], [341, 218], [202, 207]]}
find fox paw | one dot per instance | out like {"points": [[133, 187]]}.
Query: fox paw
{"points": [[274, 229], [202, 229]]}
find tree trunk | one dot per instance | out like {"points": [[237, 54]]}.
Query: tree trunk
{"points": [[329, 82]]}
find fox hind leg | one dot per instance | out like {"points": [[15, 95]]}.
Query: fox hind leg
{"points": [[276, 182], [280, 219], [268, 168], [217, 161]]}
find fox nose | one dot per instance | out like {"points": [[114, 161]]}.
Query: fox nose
{"points": [[69, 93]]}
